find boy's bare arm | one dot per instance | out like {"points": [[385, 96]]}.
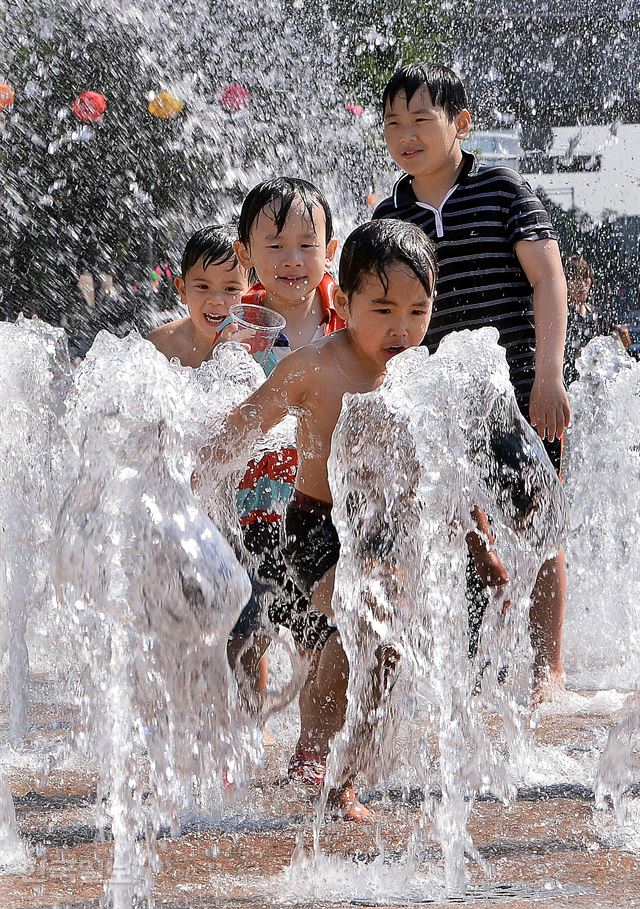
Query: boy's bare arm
{"points": [[549, 406], [267, 406]]}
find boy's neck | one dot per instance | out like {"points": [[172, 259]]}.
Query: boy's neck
{"points": [[368, 372], [301, 307], [432, 187], [302, 316]]}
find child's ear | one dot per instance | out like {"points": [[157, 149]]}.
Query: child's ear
{"points": [[243, 255], [463, 124], [178, 283], [341, 303], [332, 249]]}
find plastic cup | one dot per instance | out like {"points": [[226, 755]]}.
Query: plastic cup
{"points": [[258, 326]]}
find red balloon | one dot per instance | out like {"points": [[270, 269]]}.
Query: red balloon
{"points": [[234, 97], [7, 96], [89, 107]]}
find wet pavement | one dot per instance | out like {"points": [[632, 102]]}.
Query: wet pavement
{"points": [[545, 850]]}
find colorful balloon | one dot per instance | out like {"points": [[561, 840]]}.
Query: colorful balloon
{"points": [[89, 107], [7, 95], [165, 105], [234, 97]]}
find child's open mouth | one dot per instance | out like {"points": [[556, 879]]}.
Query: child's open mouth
{"points": [[411, 152], [396, 349], [212, 319], [293, 279]]}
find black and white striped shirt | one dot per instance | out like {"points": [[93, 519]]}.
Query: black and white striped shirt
{"points": [[481, 282]]}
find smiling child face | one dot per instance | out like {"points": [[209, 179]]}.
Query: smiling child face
{"points": [[421, 138], [290, 263], [209, 292]]}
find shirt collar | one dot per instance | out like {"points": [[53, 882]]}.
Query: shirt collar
{"points": [[403, 193]]}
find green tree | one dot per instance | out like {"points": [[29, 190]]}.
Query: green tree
{"points": [[377, 37], [86, 197]]}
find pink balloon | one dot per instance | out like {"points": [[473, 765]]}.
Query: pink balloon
{"points": [[354, 109], [234, 97]]}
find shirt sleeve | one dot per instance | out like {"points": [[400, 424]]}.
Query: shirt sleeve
{"points": [[527, 218]]}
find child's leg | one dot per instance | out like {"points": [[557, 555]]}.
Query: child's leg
{"points": [[546, 618], [323, 593], [328, 701], [250, 654], [328, 711], [327, 697]]}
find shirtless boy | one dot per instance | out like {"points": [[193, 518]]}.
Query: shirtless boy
{"points": [[387, 277], [212, 280]]}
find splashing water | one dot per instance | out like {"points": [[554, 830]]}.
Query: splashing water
{"points": [[617, 814], [14, 855], [34, 373], [408, 464], [602, 481], [152, 182], [151, 591]]}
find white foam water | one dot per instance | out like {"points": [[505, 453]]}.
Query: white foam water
{"points": [[14, 853], [34, 374], [408, 465], [602, 482], [150, 590]]}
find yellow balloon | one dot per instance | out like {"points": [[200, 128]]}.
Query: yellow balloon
{"points": [[165, 105]]}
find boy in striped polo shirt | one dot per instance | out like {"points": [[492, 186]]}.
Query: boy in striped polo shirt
{"points": [[499, 265]]}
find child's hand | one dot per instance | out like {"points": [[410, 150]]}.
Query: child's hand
{"points": [[549, 409], [491, 571], [493, 574], [227, 333]]}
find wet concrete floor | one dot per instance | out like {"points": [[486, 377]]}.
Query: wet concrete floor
{"points": [[546, 850]]}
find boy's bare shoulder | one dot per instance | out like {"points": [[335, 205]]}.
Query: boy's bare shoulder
{"points": [[167, 329], [168, 337], [315, 356], [306, 367]]}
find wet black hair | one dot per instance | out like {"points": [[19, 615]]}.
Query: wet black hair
{"points": [[444, 86], [279, 195], [372, 248], [212, 244]]}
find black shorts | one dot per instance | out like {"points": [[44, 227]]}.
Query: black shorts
{"points": [[274, 596], [312, 546]]}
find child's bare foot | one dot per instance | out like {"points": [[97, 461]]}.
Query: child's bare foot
{"points": [[546, 685], [344, 804]]}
